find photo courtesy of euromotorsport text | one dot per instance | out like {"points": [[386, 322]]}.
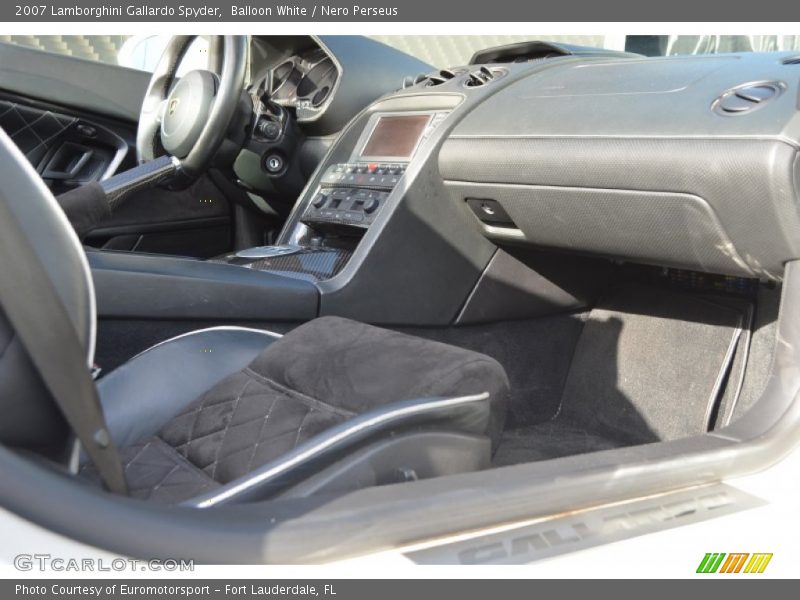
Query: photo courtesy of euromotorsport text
{"points": [[304, 300]]}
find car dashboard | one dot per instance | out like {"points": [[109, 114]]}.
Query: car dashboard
{"points": [[673, 162], [304, 82]]}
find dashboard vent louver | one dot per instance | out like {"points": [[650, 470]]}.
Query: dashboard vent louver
{"points": [[480, 77], [441, 77], [746, 98], [467, 78], [431, 79]]}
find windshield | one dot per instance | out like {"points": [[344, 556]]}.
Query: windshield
{"points": [[452, 50], [142, 51], [671, 45]]}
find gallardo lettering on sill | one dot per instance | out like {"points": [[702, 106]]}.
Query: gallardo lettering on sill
{"points": [[741, 562]]}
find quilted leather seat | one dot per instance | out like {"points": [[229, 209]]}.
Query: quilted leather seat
{"points": [[252, 398]]}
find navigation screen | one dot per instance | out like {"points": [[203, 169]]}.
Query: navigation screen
{"points": [[395, 136]]}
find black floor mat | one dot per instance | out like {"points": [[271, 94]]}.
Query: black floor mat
{"points": [[535, 354], [547, 440], [648, 366]]}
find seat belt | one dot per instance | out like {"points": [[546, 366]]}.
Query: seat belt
{"points": [[53, 346]]}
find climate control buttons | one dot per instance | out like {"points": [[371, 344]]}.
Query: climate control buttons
{"points": [[344, 206]]}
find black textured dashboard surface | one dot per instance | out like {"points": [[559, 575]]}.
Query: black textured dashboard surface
{"points": [[598, 157]]}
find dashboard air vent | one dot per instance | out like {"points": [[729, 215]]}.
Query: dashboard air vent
{"points": [[480, 77], [432, 79], [441, 77], [746, 98]]}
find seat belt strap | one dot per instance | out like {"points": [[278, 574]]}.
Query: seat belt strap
{"points": [[53, 346]]}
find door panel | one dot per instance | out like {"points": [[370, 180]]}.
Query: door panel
{"points": [[33, 131], [74, 138], [66, 150]]}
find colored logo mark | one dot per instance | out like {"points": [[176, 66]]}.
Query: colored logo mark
{"points": [[737, 562]]}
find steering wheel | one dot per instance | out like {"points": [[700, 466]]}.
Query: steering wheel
{"points": [[190, 120]]}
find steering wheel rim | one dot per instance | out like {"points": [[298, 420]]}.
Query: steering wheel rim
{"points": [[214, 111]]}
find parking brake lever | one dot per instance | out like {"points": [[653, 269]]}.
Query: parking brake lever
{"points": [[146, 175], [89, 204]]}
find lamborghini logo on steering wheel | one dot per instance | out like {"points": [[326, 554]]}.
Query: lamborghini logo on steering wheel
{"points": [[173, 106]]}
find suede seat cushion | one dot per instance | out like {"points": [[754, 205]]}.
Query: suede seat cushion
{"points": [[318, 375]]}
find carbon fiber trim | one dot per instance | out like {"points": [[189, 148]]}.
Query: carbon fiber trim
{"points": [[317, 263], [141, 177]]}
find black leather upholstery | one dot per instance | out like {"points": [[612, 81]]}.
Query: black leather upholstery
{"points": [[246, 404]]}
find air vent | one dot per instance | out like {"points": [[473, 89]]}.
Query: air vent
{"points": [[792, 60], [746, 98], [480, 77], [432, 79], [441, 77]]}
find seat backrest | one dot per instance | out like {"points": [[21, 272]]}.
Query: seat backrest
{"points": [[30, 417]]}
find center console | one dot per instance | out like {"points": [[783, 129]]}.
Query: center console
{"points": [[352, 194], [347, 198], [376, 234]]}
